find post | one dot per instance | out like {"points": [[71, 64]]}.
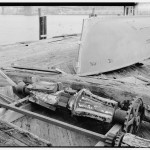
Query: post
{"points": [[42, 25]]}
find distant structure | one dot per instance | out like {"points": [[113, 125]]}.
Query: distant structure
{"points": [[102, 9], [129, 10]]}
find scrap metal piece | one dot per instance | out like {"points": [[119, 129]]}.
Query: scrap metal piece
{"points": [[113, 43]]}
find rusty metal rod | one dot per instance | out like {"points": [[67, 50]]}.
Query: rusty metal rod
{"points": [[56, 122]]}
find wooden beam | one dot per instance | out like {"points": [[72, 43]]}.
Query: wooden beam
{"points": [[108, 88], [55, 122]]}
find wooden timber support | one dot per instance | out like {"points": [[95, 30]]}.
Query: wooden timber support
{"points": [[130, 140], [107, 88], [55, 122], [22, 136]]}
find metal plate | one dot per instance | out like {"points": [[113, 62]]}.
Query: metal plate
{"points": [[113, 43]]}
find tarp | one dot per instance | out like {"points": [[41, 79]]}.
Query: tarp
{"points": [[113, 43]]}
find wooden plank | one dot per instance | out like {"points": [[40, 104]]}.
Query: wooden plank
{"points": [[6, 100], [11, 116], [55, 122], [22, 135], [130, 140], [8, 140], [58, 136]]}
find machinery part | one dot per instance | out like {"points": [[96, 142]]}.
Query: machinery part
{"points": [[118, 139], [46, 87], [119, 116], [46, 98], [109, 142], [134, 116], [89, 105], [111, 135], [21, 88]]}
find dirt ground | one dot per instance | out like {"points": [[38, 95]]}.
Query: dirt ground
{"points": [[45, 54]]}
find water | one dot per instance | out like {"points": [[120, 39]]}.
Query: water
{"points": [[15, 28]]}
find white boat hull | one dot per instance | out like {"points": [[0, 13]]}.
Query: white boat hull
{"points": [[110, 44]]}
